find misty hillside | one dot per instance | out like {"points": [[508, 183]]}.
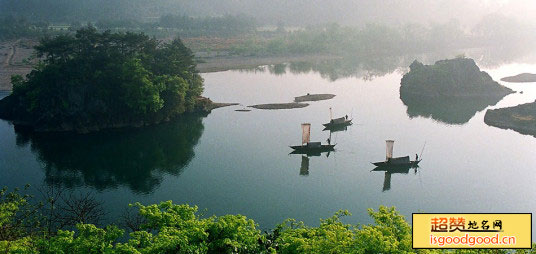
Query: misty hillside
{"points": [[299, 12]]}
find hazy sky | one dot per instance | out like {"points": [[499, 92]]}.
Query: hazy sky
{"points": [[363, 11], [290, 12]]}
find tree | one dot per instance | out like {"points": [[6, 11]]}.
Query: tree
{"points": [[104, 79]]}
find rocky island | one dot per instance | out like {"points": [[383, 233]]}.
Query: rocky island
{"points": [[520, 78], [313, 97], [521, 118], [91, 81], [436, 90], [272, 106]]}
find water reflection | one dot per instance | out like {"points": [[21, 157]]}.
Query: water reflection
{"points": [[334, 69], [305, 158], [393, 170], [448, 110], [339, 128], [304, 169], [135, 158], [369, 67]]}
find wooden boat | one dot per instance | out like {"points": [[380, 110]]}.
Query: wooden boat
{"points": [[337, 122], [336, 128], [397, 161], [399, 169], [310, 147]]}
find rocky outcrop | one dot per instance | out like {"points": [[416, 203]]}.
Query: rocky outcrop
{"points": [[520, 78], [521, 118], [450, 91]]}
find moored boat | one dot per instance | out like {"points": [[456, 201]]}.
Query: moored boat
{"points": [[337, 122], [396, 161], [311, 147]]}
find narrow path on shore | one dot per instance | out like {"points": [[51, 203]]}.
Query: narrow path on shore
{"points": [[11, 54]]}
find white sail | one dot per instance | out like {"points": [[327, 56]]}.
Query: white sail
{"points": [[330, 114], [306, 132], [389, 149]]}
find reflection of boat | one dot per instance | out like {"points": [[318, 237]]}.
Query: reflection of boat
{"points": [[395, 162], [308, 147], [304, 169], [337, 122], [394, 169], [336, 128], [311, 153], [389, 170], [400, 169]]}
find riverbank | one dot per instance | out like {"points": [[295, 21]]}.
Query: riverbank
{"points": [[216, 64], [14, 57]]}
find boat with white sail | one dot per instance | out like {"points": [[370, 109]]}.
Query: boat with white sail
{"points": [[391, 161], [311, 147]]}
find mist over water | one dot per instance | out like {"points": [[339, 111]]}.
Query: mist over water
{"points": [[239, 162], [231, 162]]}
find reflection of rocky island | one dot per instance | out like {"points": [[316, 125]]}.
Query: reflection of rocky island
{"points": [[449, 110], [521, 78], [135, 158], [450, 91], [521, 118]]}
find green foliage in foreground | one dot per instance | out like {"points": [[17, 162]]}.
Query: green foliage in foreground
{"points": [[171, 228]]}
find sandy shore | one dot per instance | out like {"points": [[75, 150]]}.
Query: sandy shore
{"points": [[313, 97], [216, 64], [13, 54], [280, 105]]}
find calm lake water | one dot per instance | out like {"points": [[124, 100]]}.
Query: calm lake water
{"points": [[239, 162]]}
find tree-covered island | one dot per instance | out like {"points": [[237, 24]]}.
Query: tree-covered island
{"points": [[459, 77], [450, 91], [92, 80]]}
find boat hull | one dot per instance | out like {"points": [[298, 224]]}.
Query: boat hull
{"points": [[337, 124], [312, 150], [388, 164]]}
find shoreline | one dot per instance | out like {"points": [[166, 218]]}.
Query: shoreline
{"points": [[9, 52], [225, 63]]}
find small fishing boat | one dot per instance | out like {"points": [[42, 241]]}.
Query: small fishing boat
{"points": [[337, 123], [308, 147], [336, 128], [397, 161]]}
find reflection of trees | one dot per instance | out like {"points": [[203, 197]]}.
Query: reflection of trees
{"points": [[277, 69], [369, 67], [137, 158], [451, 110]]}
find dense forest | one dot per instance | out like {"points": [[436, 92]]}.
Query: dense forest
{"points": [[92, 80], [64, 224]]}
